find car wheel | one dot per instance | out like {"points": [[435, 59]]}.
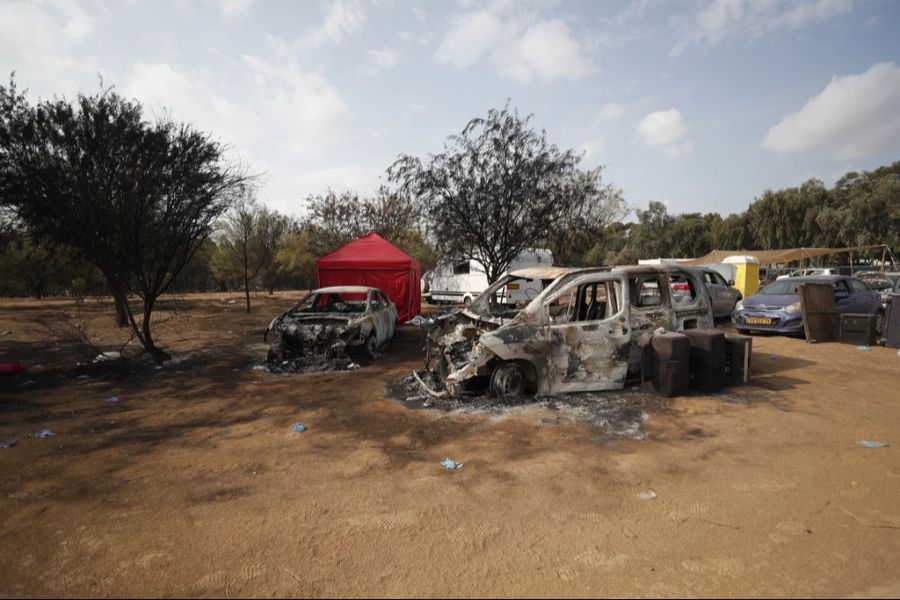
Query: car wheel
{"points": [[467, 301], [371, 347], [508, 382]]}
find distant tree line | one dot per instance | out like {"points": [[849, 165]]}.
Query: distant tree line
{"points": [[94, 199]]}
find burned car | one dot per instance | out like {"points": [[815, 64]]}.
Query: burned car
{"points": [[580, 333], [329, 323]]}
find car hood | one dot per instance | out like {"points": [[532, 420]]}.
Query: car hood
{"points": [[770, 301]]}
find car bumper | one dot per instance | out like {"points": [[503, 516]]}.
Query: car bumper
{"points": [[777, 321]]}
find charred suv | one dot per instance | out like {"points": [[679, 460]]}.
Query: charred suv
{"points": [[329, 322], [580, 333]]}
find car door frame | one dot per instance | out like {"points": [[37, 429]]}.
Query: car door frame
{"points": [[588, 355]]}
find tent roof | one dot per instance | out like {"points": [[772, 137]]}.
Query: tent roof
{"points": [[370, 251], [776, 256]]}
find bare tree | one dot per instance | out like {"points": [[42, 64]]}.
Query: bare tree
{"points": [[240, 253], [499, 188]]}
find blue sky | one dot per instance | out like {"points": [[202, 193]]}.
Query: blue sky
{"points": [[699, 104]]}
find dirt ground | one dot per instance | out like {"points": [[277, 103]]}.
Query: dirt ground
{"points": [[194, 484]]}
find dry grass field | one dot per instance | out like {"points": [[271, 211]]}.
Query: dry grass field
{"points": [[193, 484]]}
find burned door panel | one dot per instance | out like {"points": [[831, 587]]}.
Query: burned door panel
{"points": [[588, 345]]}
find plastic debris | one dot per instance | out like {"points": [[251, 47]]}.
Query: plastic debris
{"points": [[8, 444], [260, 368], [352, 366], [449, 463], [298, 428], [29, 382], [647, 495], [44, 433], [871, 444], [863, 348], [409, 379], [105, 356], [235, 370], [7, 332], [774, 357], [111, 399], [83, 376]]}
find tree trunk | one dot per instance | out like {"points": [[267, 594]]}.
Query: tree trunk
{"points": [[120, 299], [158, 354], [247, 290]]}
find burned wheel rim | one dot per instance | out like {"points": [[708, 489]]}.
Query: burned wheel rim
{"points": [[371, 346], [508, 381]]}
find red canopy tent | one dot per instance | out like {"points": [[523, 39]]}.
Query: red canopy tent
{"points": [[373, 261]]}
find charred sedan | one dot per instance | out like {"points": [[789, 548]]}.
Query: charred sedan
{"points": [[328, 324], [580, 333]]}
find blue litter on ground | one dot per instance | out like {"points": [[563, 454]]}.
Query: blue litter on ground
{"points": [[449, 463], [44, 433], [83, 376], [9, 444], [870, 444], [863, 348], [774, 357], [111, 399], [298, 428], [29, 382]]}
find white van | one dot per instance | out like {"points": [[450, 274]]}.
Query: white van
{"points": [[464, 281]]}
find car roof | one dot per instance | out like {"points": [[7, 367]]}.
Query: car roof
{"points": [[344, 289]]}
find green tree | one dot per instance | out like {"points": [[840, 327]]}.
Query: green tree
{"points": [[136, 199]]}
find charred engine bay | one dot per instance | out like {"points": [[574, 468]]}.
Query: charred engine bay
{"points": [[309, 346]]}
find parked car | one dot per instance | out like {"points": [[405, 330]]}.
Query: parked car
{"points": [[581, 333], [776, 307], [328, 322], [722, 295], [879, 282], [809, 273]]}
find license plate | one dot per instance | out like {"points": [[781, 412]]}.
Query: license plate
{"points": [[512, 286], [760, 320]]}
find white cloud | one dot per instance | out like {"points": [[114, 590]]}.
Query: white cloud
{"points": [[592, 149], [665, 129], [521, 49], [471, 38], [43, 42], [545, 52], [608, 112], [724, 19], [344, 18], [853, 117], [382, 59], [236, 8]]}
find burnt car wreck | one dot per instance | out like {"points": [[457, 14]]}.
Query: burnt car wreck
{"points": [[580, 333], [328, 326]]}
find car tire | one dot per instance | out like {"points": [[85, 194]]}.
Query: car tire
{"points": [[371, 347], [879, 323], [508, 382], [467, 301]]}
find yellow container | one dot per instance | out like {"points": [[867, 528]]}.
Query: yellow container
{"points": [[746, 275]]}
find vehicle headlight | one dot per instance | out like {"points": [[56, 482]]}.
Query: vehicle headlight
{"points": [[793, 308], [739, 305]]}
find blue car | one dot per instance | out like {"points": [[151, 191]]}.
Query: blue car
{"points": [[776, 307]]}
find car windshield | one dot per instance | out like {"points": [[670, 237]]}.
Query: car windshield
{"points": [[877, 282], [781, 287], [347, 302], [491, 303]]}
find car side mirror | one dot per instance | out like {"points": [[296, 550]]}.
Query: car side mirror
{"points": [[731, 282]]}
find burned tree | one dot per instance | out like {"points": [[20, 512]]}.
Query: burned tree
{"points": [[499, 188], [134, 198]]}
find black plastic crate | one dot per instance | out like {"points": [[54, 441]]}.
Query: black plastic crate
{"points": [[738, 350], [707, 358], [665, 364], [858, 329]]}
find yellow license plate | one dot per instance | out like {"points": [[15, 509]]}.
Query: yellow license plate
{"points": [[512, 286], [759, 320]]}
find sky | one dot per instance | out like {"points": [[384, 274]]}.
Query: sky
{"points": [[702, 105]]}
